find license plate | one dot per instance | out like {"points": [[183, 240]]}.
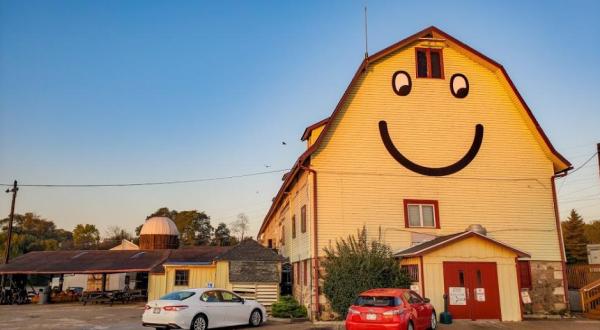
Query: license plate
{"points": [[156, 310], [371, 317]]}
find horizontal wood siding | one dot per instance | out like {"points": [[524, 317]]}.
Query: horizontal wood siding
{"points": [[264, 293], [506, 188]]}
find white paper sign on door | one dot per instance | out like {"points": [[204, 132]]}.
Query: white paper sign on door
{"points": [[458, 295], [525, 297], [480, 294]]}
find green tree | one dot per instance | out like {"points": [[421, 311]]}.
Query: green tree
{"points": [[86, 237], [356, 265], [194, 227], [32, 233], [223, 236], [574, 238], [592, 232]]}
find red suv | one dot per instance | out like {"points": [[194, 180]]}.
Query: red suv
{"points": [[391, 309]]}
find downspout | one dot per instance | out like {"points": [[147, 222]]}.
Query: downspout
{"points": [[560, 235], [315, 243]]}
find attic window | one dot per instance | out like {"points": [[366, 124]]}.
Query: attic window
{"points": [[429, 63]]}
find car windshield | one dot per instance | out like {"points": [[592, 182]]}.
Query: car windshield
{"points": [[177, 295], [377, 301]]}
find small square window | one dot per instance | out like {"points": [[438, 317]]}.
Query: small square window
{"points": [[429, 63], [412, 271], [421, 214], [181, 277]]}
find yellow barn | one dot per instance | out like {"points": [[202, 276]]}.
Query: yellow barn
{"points": [[433, 150]]}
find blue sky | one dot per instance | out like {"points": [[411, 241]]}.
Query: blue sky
{"points": [[133, 91]]}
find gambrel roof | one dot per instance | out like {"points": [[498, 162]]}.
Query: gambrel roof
{"points": [[560, 163]]}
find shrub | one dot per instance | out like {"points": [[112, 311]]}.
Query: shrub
{"points": [[288, 307], [356, 265]]}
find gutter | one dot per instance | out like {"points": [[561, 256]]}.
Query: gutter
{"points": [[315, 243], [561, 241]]}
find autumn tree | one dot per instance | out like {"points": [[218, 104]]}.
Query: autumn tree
{"points": [[114, 236], [33, 233], [574, 238], [86, 236], [592, 232]]}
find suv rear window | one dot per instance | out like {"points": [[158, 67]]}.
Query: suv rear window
{"points": [[177, 295], [377, 301]]}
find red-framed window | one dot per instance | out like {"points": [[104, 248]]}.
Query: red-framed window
{"points": [[303, 219], [420, 213], [412, 271], [524, 268], [429, 63], [305, 275], [294, 226]]}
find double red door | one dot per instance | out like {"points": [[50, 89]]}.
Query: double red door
{"points": [[472, 289]]}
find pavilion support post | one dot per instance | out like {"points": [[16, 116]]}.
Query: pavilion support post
{"points": [[103, 282], [61, 281]]}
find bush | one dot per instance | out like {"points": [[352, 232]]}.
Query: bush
{"points": [[356, 265], [288, 307]]}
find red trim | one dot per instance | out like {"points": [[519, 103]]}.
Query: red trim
{"points": [[560, 239], [421, 276], [519, 287], [310, 128], [464, 235], [315, 285], [422, 201], [428, 52]]}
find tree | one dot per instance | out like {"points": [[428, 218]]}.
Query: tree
{"points": [[114, 236], [32, 233], [223, 236], [194, 227], [355, 265], [574, 238], [86, 237], [592, 232], [241, 225]]}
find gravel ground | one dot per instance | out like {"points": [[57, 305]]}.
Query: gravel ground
{"points": [[121, 317]]}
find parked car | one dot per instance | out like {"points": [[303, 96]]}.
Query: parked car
{"points": [[391, 309], [200, 309]]}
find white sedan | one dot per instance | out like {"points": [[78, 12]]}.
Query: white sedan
{"points": [[200, 309]]}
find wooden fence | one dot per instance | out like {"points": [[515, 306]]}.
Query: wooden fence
{"points": [[579, 276]]}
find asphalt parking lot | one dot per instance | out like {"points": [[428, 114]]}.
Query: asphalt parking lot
{"points": [[121, 317]]}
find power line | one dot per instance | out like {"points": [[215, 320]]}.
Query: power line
{"points": [[135, 184], [577, 169]]}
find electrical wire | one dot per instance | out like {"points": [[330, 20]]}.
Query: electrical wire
{"points": [[137, 184]]}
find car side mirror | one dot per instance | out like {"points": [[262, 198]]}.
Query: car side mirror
{"points": [[426, 300]]}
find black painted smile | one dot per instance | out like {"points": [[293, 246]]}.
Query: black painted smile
{"points": [[432, 171]]}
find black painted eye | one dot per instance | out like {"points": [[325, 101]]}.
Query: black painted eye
{"points": [[459, 86], [401, 83]]}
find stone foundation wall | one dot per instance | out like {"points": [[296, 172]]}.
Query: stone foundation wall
{"points": [[547, 292]]}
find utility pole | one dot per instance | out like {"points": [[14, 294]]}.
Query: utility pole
{"points": [[10, 221], [598, 154]]}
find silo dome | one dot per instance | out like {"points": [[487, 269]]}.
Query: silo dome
{"points": [[159, 233]]}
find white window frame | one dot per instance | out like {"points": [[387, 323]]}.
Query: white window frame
{"points": [[420, 205]]}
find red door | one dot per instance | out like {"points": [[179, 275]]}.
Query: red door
{"points": [[472, 289]]}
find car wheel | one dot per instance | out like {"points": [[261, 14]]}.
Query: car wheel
{"points": [[410, 326], [199, 323], [255, 318], [433, 322]]}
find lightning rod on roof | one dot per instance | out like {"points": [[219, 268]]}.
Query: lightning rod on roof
{"points": [[366, 36]]}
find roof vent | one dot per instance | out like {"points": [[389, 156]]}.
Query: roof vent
{"points": [[477, 228]]}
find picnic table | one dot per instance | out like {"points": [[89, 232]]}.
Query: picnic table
{"points": [[101, 297]]}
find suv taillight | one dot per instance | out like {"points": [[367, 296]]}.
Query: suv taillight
{"points": [[353, 311], [393, 312]]}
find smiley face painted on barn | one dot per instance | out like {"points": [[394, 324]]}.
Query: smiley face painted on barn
{"points": [[429, 66]]}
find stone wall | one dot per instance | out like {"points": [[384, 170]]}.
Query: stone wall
{"points": [[547, 292]]}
